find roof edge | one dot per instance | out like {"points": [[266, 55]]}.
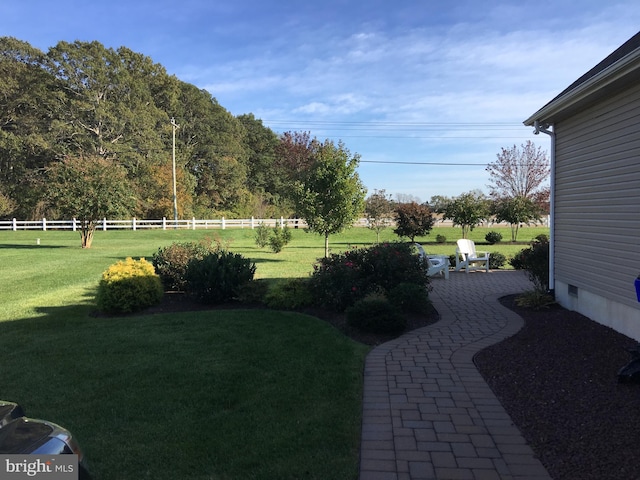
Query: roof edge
{"points": [[607, 76]]}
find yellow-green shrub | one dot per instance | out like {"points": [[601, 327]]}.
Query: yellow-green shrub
{"points": [[128, 286]]}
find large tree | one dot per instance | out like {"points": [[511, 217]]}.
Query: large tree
{"points": [[89, 189], [519, 172], [330, 196]]}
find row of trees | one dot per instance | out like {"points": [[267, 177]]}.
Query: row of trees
{"points": [[82, 100], [518, 195]]}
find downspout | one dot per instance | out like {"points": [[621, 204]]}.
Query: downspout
{"points": [[544, 128]]}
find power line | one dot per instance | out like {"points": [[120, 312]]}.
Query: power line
{"points": [[427, 163]]}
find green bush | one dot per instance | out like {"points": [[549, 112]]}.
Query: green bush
{"points": [[288, 294], [375, 314], [171, 261], [535, 260], [218, 277], [262, 235], [129, 286], [441, 238], [493, 237], [279, 238], [409, 297], [340, 280], [496, 260]]}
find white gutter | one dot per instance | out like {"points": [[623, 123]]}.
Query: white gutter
{"points": [[544, 128]]}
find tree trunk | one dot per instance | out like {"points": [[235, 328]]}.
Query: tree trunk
{"points": [[86, 235]]}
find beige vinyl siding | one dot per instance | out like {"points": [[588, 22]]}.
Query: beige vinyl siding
{"points": [[597, 218]]}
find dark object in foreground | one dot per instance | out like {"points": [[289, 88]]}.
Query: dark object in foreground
{"points": [[630, 373], [22, 435]]}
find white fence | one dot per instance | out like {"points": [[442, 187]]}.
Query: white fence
{"points": [[192, 224]]}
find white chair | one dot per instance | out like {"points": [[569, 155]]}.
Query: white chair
{"points": [[438, 264], [468, 258]]}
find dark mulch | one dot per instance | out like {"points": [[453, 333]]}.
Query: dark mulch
{"points": [[558, 380]]}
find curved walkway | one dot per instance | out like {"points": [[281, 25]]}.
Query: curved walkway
{"points": [[427, 412]]}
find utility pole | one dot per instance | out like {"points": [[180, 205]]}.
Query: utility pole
{"points": [[175, 192]]}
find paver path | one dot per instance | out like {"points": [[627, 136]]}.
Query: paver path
{"points": [[427, 412]]}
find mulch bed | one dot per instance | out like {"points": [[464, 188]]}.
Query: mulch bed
{"points": [[557, 378]]}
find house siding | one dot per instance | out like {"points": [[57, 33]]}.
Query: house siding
{"points": [[597, 206]]}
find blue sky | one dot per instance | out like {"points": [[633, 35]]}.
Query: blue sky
{"points": [[440, 86]]}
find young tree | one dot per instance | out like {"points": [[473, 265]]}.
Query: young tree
{"points": [[518, 173], [89, 189], [330, 196], [515, 211], [413, 220], [467, 211], [379, 211]]}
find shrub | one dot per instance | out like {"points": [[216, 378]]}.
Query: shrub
{"points": [[279, 238], [129, 286], [262, 235], [375, 314], [409, 297], [171, 261], [339, 280], [218, 277], [535, 260], [291, 293], [493, 237], [441, 238], [496, 260]]}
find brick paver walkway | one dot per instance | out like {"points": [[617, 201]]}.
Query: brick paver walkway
{"points": [[427, 412]]}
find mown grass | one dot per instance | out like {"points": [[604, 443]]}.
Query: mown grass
{"points": [[205, 395]]}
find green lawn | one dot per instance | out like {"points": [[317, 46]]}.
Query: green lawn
{"points": [[209, 395]]}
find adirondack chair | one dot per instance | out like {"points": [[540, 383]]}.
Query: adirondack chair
{"points": [[438, 264], [468, 258]]}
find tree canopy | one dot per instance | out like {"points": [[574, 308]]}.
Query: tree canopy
{"points": [[329, 195], [82, 99]]}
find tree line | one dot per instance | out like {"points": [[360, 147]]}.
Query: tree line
{"points": [[84, 101]]}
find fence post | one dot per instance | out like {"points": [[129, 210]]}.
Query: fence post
{"points": [[44, 224], [281, 222], [104, 224], [222, 223], [252, 223], [193, 219], [15, 224], [133, 223], [73, 227], [164, 223]]}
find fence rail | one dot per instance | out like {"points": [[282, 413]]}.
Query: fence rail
{"points": [[191, 224]]}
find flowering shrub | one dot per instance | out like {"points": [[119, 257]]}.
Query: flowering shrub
{"points": [[339, 280], [535, 259], [129, 286]]}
